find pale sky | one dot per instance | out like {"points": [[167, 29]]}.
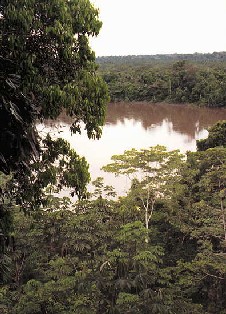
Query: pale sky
{"points": [[133, 27]]}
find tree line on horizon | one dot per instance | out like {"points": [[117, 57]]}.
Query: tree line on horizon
{"points": [[164, 58], [203, 84]]}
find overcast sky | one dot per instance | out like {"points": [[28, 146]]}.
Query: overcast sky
{"points": [[133, 27]]}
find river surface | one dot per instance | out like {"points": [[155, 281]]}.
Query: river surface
{"points": [[138, 125]]}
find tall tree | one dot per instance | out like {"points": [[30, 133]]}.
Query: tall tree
{"points": [[199, 205], [47, 67], [152, 171]]}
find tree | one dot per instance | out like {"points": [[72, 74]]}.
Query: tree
{"points": [[46, 67], [47, 47], [88, 260], [156, 169], [216, 137], [204, 177], [18, 137], [199, 206]]}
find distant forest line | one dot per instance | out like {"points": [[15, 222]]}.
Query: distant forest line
{"points": [[176, 78]]}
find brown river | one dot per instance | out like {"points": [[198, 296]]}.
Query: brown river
{"points": [[139, 125]]}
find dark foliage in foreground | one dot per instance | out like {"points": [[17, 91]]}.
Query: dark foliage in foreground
{"points": [[159, 249]]}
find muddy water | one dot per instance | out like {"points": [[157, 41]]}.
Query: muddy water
{"points": [[139, 125]]}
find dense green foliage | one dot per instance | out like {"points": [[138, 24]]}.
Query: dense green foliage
{"points": [[45, 55], [46, 68], [18, 137], [177, 82], [216, 137], [159, 249]]}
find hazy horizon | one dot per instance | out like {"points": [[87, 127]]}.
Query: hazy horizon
{"points": [[162, 54]]}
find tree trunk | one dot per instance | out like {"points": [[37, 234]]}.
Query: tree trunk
{"points": [[146, 224], [223, 218]]}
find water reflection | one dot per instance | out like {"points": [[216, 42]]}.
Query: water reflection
{"points": [[185, 119], [139, 125]]}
